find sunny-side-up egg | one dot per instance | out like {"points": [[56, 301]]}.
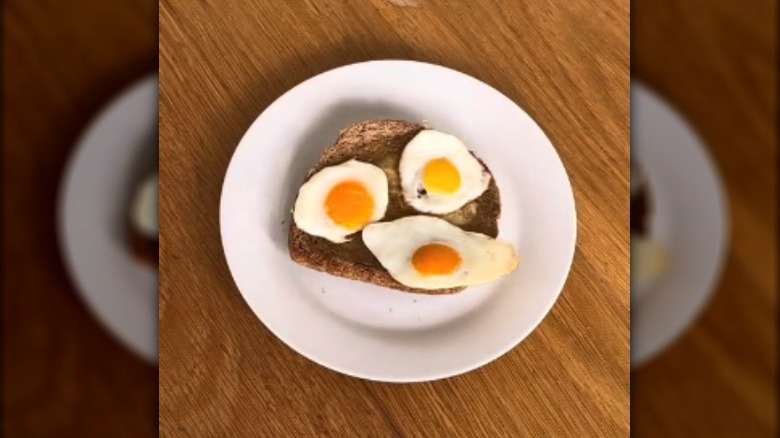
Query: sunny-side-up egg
{"points": [[340, 200], [143, 211], [649, 261], [426, 252], [438, 173]]}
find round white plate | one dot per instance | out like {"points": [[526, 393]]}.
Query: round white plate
{"points": [[93, 203], [689, 219], [368, 331]]}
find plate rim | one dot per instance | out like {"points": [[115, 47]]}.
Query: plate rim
{"points": [[648, 355], [121, 335]]}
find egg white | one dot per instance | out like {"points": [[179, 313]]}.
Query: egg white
{"points": [[649, 261], [394, 243], [429, 145], [143, 213], [309, 211]]}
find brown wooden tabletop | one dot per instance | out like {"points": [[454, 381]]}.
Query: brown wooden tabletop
{"points": [[222, 373], [63, 374], [715, 62]]}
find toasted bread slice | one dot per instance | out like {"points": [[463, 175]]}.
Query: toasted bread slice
{"points": [[144, 249], [381, 142]]}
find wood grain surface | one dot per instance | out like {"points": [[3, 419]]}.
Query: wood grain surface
{"points": [[715, 61], [222, 373], [63, 374]]}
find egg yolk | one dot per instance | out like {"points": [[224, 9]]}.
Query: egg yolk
{"points": [[350, 205], [436, 259], [440, 176]]}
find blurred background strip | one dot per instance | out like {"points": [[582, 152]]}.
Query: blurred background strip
{"points": [[715, 61], [63, 374]]}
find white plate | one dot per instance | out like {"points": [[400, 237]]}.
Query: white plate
{"points": [[689, 220], [373, 332], [93, 203]]}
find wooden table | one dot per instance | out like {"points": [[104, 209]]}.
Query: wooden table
{"points": [[64, 375], [222, 373], [715, 61]]}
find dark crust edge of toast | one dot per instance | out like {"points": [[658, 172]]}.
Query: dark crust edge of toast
{"points": [[145, 249], [303, 246]]}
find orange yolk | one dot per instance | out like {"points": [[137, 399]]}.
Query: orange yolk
{"points": [[436, 259], [350, 205], [440, 176]]}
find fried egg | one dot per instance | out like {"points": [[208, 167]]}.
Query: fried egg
{"points": [[438, 173], [143, 211], [340, 200], [649, 261], [426, 252]]}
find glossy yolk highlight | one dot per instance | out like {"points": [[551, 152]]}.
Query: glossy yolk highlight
{"points": [[350, 205], [436, 259], [440, 176]]}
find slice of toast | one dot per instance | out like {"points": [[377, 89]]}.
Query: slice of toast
{"points": [[381, 142]]}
